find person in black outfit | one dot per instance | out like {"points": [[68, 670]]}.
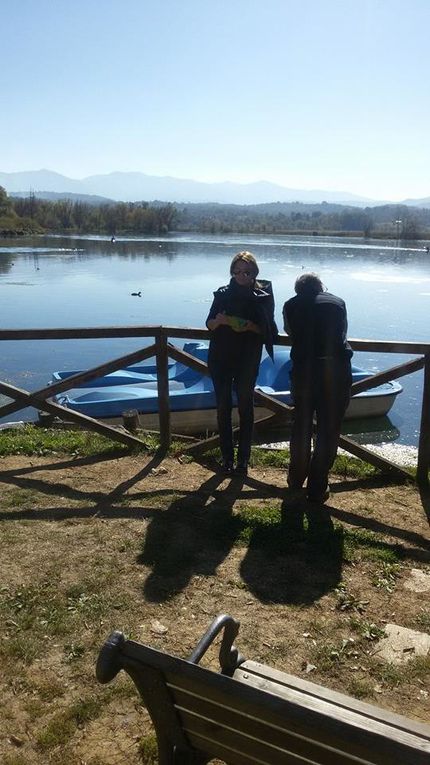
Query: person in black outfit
{"points": [[320, 382], [241, 319]]}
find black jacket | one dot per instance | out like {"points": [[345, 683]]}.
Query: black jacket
{"points": [[317, 325], [256, 305]]}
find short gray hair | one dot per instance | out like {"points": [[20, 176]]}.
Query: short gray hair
{"points": [[308, 284]]}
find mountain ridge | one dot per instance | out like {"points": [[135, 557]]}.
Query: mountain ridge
{"points": [[136, 186]]}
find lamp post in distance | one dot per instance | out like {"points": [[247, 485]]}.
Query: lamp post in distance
{"points": [[398, 224]]}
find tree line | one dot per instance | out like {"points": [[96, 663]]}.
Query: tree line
{"points": [[76, 216], [25, 215], [388, 221]]}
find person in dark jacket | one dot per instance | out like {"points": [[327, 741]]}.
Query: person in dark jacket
{"points": [[241, 320], [320, 382]]}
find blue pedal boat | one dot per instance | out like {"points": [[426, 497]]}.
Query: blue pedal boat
{"points": [[192, 397]]}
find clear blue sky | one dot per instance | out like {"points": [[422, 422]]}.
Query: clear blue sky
{"points": [[330, 94]]}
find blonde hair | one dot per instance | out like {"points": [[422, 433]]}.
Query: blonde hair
{"points": [[245, 257]]}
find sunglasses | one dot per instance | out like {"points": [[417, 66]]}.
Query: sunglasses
{"points": [[244, 273]]}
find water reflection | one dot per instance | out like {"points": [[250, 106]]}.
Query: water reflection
{"points": [[6, 263], [371, 431], [376, 430]]}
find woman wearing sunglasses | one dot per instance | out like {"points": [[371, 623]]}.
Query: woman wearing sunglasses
{"points": [[241, 320]]}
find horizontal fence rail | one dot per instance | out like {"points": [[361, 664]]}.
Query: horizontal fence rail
{"points": [[162, 349]]}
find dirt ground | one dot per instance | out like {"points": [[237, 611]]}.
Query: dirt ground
{"points": [[157, 548]]}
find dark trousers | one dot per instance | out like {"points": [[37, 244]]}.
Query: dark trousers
{"points": [[320, 389], [240, 375]]}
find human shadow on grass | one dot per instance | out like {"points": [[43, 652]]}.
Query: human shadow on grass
{"points": [[288, 563], [193, 536]]}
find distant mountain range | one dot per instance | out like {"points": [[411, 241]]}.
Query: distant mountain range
{"points": [[134, 186]]}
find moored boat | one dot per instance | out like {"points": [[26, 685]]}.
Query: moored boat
{"points": [[192, 397]]}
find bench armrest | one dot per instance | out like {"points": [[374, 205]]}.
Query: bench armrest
{"points": [[229, 657], [108, 665]]}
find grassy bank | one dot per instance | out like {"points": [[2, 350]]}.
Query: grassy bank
{"points": [[96, 538]]}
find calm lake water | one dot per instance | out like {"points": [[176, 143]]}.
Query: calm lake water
{"points": [[87, 281]]}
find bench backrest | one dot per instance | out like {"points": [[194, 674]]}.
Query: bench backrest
{"points": [[259, 715]]}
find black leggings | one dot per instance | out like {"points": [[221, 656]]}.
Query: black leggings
{"points": [[239, 375]]}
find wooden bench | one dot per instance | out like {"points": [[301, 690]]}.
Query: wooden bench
{"points": [[250, 714]]}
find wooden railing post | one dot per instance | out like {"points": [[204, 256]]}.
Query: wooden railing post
{"points": [[424, 442], [163, 389]]}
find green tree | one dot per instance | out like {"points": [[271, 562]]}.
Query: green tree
{"points": [[5, 204]]}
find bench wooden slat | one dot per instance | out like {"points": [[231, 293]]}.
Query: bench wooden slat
{"points": [[262, 676], [236, 750], [234, 744], [262, 740]]}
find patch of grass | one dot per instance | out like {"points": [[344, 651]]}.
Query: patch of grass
{"points": [[153, 499], [148, 749], [239, 583], [263, 517], [418, 668], [67, 755], [362, 544], [348, 601], [393, 675], [389, 674], [351, 467], [423, 620], [367, 630], [316, 627], [18, 498], [185, 459], [360, 689], [20, 648], [34, 708], [9, 533], [73, 652], [86, 603], [385, 578], [34, 613], [33, 440], [386, 553], [16, 759], [270, 457], [325, 656], [62, 726], [56, 733], [50, 690]]}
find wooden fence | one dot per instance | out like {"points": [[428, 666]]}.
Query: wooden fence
{"points": [[162, 349]]}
